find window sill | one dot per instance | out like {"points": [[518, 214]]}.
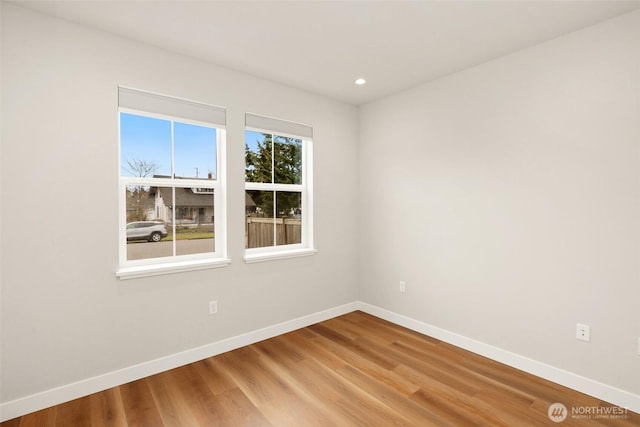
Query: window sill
{"points": [[169, 268], [269, 256]]}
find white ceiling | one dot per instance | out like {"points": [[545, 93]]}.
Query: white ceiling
{"points": [[323, 46]]}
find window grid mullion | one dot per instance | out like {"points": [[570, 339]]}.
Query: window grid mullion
{"points": [[273, 181], [303, 195], [173, 191], [275, 225], [273, 159]]}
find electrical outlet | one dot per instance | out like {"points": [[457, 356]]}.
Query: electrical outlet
{"points": [[638, 346], [583, 332], [403, 286], [213, 307]]}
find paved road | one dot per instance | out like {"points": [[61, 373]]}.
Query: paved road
{"points": [[143, 250]]}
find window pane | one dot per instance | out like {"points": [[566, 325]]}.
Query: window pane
{"points": [[145, 146], [146, 236], [287, 155], [289, 218], [194, 151], [259, 218], [258, 167], [194, 221]]}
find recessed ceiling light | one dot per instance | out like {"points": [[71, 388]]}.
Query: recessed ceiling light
{"points": [[360, 81]]}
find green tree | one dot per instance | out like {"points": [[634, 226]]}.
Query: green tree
{"points": [[258, 165], [278, 160]]}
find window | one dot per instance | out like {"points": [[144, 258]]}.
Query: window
{"points": [[278, 197], [172, 194]]}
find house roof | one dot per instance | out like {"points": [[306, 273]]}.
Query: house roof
{"points": [[187, 197]]}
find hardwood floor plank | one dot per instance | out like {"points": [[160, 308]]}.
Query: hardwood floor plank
{"points": [[349, 329], [107, 409], [353, 370], [76, 413], [257, 383], [237, 410], [279, 350], [342, 399], [510, 408], [507, 377], [197, 396], [284, 392], [393, 333], [44, 418], [139, 406], [436, 369], [393, 399], [349, 357], [212, 372], [303, 339], [337, 341], [455, 411], [323, 330], [160, 390], [302, 398]]}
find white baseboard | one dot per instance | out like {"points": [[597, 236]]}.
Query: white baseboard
{"points": [[45, 399], [621, 398]]}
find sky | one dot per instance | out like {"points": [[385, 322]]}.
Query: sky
{"points": [[149, 139], [251, 138]]}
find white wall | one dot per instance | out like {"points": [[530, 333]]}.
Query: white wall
{"points": [[65, 316], [507, 196]]}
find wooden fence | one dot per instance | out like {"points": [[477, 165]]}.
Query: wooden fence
{"points": [[260, 231]]}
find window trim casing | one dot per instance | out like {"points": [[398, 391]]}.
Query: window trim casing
{"points": [[306, 247], [129, 269]]}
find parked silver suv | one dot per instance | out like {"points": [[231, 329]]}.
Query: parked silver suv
{"points": [[146, 230]]}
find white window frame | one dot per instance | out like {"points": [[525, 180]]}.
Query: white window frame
{"points": [[129, 269], [279, 127]]}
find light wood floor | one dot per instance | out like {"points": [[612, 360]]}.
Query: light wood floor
{"points": [[354, 370]]}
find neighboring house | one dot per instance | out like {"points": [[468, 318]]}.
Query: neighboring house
{"points": [[192, 205]]}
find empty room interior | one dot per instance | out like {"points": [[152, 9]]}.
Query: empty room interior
{"points": [[320, 213]]}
